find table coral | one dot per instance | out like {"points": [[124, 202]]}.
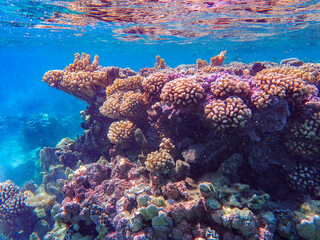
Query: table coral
{"points": [[82, 78], [182, 93], [226, 114], [121, 131]]}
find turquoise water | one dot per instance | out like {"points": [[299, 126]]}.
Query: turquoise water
{"points": [[38, 36]]}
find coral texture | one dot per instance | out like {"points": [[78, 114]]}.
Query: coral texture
{"points": [[182, 92], [226, 114], [160, 161], [121, 131]]}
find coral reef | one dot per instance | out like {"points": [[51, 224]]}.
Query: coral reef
{"points": [[201, 151]]}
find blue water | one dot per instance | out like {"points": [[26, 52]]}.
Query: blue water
{"points": [[27, 52]]}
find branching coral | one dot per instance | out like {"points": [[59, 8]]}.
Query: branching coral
{"points": [[111, 107], [182, 93], [82, 78], [160, 161], [305, 179], [121, 131], [11, 202], [124, 99], [303, 137], [122, 85], [153, 84], [133, 104], [218, 60], [160, 64], [226, 114], [229, 86], [201, 63], [279, 83]]}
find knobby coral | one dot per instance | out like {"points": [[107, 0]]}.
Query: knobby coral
{"points": [[121, 131], [226, 114], [182, 92]]}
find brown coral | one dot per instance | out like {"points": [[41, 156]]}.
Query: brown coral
{"points": [[182, 92], [229, 86], [121, 131], [160, 161], [280, 83], [308, 72], [160, 64], [111, 107], [83, 63], [154, 84], [133, 104], [124, 99], [83, 79], [218, 60], [201, 63], [303, 138], [123, 85], [226, 114]]}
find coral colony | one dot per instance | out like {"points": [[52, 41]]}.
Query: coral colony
{"points": [[202, 151]]}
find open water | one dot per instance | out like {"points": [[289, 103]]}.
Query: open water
{"points": [[38, 36]]}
